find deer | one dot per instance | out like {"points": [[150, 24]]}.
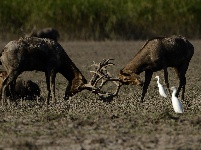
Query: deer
{"points": [[49, 33], [23, 88], [41, 54], [157, 54]]}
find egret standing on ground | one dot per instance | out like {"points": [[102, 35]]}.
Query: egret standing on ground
{"points": [[161, 88], [176, 103]]}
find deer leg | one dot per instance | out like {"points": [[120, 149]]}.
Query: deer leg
{"points": [[12, 91], [178, 75], [166, 79], [67, 92], [182, 84], [4, 87], [53, 76], [184, 89], [48, 86], [10, 79], [148, 75], [181, 71]]}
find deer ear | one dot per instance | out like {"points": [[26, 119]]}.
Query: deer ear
{"points": [[126, 74]]}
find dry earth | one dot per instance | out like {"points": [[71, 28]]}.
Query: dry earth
{"points": [[86, 122]]}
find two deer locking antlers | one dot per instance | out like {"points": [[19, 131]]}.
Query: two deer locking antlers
{"points": [[46, 55], [103, 76]]}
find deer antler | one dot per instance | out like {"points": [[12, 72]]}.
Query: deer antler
{"points": [[102, 75]]}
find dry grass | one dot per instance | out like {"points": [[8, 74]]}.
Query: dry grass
{"points": [[86, 122]]}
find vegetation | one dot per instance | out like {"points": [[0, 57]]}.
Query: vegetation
{"points": [[102, 19]]}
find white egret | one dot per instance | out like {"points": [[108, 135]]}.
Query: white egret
{"points": [[162, 91], [176, 103]]}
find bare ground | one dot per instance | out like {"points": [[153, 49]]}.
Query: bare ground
{"points": [[86, 122]]}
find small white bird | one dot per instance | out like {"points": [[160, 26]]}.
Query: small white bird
{"points": [[176, 103], [161, 88]]}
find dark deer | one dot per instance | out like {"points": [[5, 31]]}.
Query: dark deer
{"points": [[40, 54], [49, 33], [157, 54], [23, 88]]}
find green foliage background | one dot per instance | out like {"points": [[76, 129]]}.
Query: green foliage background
{"points": [[102, 19]]}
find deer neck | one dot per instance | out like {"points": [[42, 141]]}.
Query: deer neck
{"points": [[71, 72], [138, 64]]}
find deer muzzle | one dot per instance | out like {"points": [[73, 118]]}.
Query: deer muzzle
{"points": [[127, 79]]}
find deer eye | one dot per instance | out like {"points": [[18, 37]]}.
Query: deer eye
{"points": [[124, 74]]}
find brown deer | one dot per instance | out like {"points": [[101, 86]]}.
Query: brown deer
{"points": [[49, 33], [23, 88], [157, 54], [31, 53]]}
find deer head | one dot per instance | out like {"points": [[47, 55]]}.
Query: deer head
{"points": [[77, 84], [130, 78], [3, 74]]}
